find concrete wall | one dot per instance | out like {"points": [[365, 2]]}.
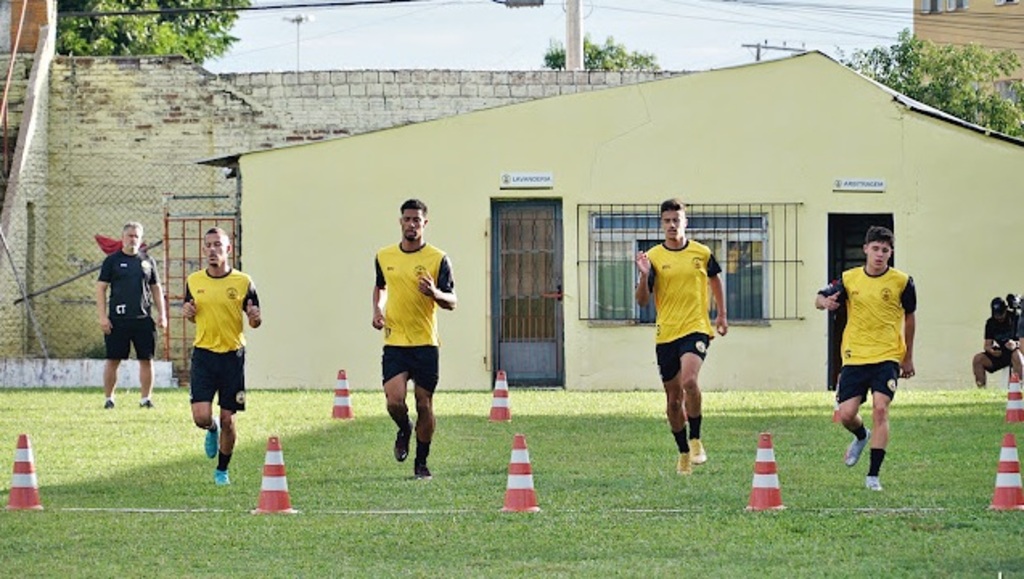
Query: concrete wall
{"points": [[66, 373]]}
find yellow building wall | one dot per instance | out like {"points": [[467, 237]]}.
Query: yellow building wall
{"points": [[998, 27], [783, 131]]}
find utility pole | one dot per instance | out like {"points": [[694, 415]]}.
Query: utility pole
{"points": [[759, 46], [297, 20], [573, 35]]}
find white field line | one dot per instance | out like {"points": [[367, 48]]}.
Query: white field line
{"points": [[403, 512]]}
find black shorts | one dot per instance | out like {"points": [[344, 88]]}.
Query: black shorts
{"points": [[855, 381], [220, 374], [126, 332], [421, 362], [670, 353], [1003, 360]]}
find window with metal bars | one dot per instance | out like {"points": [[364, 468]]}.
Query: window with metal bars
{"points": [[755, 243]]}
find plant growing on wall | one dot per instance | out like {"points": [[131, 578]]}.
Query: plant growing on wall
{"points": [[964, 81], [178, 27]]}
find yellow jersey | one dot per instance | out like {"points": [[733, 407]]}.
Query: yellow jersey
{"points": [[410, 318], [220, 309], [875, 310], [679, 281]]}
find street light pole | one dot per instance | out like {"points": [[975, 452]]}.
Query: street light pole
{"points": [[297, 20]]}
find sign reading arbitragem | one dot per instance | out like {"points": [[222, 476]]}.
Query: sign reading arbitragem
{"points": [[527, 180], [859, 185]]}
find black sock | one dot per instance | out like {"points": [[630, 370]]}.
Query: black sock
{"points": [[877, 456], [422, 451], [694, 426], [403, 422], [223, 460], [861, 433], [681, 442]]}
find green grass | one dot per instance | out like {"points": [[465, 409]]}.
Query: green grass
{"points": [[129, 492]]}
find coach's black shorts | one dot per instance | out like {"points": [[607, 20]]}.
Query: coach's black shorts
{"points": [[855, 381], [421, 362], [1003, 360], [126, 332], [670, 353], [220, 374]]}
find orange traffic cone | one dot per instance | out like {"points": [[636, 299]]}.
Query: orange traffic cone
{"points": [[274, 491], [342, 403], [1009, 494], [765, 494], [24, 487], [500, 411], [519, 494], [1014, 401]]}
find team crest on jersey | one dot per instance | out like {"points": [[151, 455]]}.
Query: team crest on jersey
{"points": [[232, 294], [147, 267], [886, 294], [847, 353], [240, 397], [891, 384], [701, 347], [421, 271], [696, 263]]}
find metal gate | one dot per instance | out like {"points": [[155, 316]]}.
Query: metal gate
{"points": [[183, 255], [528, 322]]}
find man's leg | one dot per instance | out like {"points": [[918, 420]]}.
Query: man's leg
{"points": [[850, 418], [395, 390], [879, 438], [979, 365], [145, 379], [425, 424], [690, 369], [676, 415], [110, 381]]}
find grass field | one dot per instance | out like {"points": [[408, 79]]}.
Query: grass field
{"points": [[129, 492]]}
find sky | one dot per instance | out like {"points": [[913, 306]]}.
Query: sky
{"points": [[486, 35]]}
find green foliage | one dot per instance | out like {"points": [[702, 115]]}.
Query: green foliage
{"points": [[129, 492], [959, 80], [196, 35], [609, 56]]}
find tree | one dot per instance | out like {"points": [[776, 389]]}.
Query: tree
{"points": [[610, 56], [959, 80], [197, 35]]}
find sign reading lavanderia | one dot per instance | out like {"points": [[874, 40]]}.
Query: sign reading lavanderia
{"points": [[527, 180]]}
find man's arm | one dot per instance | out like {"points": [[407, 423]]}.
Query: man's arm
{"points": [[721, 323], [379, 296], [643, 289], [188, 309], [101, 306], [161, 306], [909, 328]]}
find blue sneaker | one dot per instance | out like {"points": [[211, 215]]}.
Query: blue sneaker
{"points": [[213, 441], [221, 478]]}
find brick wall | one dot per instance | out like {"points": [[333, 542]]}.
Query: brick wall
{"points": [[124, 134]]}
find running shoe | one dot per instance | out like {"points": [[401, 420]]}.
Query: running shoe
{"points": [[872, 483], [697, 454], [109, 404], [212, 444], [402, 443], [221, 478], [683, 466], [855, 449], [421, 472]]}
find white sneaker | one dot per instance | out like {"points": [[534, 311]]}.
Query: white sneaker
{"points": [[872, 483], [855, 449]]}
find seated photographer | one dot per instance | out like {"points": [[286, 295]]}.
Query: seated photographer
{"points": [[1002, 346]]}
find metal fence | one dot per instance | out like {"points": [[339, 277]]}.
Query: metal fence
{"points": [[54, 231]]}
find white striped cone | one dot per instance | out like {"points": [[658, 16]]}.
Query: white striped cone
{"points": [[519, 494], [1009, 494], [274, 490], [500, 411], [1014, 401], [342, 400], [24, 487], [765, 494]]}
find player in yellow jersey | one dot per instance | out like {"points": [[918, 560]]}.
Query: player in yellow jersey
{"points": [[413, 279], [679, 273], [217, 300], [877, 347]]}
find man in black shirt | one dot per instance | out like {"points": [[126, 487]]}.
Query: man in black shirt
{"points": [[134, 285], [1002, 345]]}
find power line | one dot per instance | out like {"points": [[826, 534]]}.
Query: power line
{"points": [[218, 9]]}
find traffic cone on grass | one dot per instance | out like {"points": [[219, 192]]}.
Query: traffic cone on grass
{"points": [[342, 402], [765, 494], [1009, 494], [24, 486], [274, 490], [519, 493], [500, 411], [1014, 401]]}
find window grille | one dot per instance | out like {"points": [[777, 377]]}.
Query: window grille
{"points": [[755, 244]]}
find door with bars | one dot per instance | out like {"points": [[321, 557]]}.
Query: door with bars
{"points": [[184, 254], [527, 314]]}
